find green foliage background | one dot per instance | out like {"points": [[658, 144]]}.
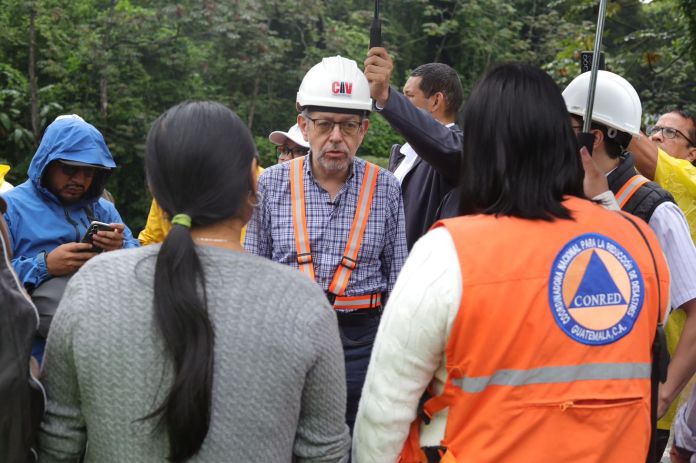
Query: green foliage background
{"points": [[120, 63]]}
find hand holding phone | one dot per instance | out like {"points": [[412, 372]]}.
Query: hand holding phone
{"points": [[68, 258], [92, 230]]}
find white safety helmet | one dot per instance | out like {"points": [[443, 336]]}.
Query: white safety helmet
{"points": [[336, 82], [616, 102]]}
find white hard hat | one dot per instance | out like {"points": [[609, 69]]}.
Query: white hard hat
{"points": [[616, 102], [336, 82], [294, 133]]}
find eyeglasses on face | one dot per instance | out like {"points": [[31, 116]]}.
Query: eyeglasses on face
{"points": [[669, 132], [284, 150], [70, 171], [324, 126]]}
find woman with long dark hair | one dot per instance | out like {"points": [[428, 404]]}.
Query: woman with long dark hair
{"points": [[529, 320], [193, 350]]}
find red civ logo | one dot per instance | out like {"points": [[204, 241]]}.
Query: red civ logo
{"points": [[342, 88]]}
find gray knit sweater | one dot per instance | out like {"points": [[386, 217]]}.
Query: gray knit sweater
{"points": [[279, 380]]}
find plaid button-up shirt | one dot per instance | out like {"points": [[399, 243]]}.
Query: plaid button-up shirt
{"points": [[270, 232]]}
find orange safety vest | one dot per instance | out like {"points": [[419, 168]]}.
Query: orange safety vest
{"points": [[549, 356], [349, 261], [629, 189]]}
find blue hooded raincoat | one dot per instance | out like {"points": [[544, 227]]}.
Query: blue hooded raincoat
{"points": [[38, 221]]}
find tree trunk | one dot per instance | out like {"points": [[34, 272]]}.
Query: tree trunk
{"points": [[252, 106], [103, 78], [33, 85], [103, 95]]}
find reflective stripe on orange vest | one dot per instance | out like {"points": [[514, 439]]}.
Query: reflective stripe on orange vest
{"points": [[357, 231], [348, 263], [559, 374], [299, 218], [358, 302], [629, 188]]}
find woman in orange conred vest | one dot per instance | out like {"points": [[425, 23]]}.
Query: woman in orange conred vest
{"points": [[528, 322]]}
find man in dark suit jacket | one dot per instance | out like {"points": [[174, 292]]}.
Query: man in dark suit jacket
{"points": [[428, 164]]}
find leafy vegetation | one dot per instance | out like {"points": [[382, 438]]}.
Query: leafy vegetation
{"points": [[120, 63]]}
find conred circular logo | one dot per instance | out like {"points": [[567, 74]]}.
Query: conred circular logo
{"points": [[596, 290]]}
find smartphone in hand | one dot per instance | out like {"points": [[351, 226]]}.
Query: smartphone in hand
{"points": [[93, 228]]}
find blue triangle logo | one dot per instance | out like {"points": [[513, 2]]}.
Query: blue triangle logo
{"points": [[597, 288]]}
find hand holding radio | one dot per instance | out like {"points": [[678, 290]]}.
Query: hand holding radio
{"points": [[378, 70]]}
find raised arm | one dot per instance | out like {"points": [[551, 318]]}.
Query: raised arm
{"points": [[434, 142], [645, 153]]}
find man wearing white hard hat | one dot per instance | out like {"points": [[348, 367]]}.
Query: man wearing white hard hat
{"points": [[616, 119], [290, 144], [333, 215]]}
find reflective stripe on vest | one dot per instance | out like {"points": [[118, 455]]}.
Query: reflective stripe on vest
{"points": [[629, 189], [358, 302], [299, 218], [357, 231], [348, 262], [559, 374]]}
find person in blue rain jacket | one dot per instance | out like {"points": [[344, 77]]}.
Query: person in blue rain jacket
{"points": [[48, 214]]}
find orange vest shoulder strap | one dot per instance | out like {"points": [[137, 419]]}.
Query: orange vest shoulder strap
{"points": [[299, 217], [357, 231], [629, 189]]}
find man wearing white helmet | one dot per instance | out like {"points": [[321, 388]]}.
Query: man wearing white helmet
{"points": [[334, 216], [616, 119], [290, 144]]}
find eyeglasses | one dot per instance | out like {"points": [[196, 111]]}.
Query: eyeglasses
{"points": [[292, 152], [669, 132], [325, 126], [70, 170]]}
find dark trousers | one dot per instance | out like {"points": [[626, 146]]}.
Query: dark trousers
{"points": [[357, 336], [662, 438]]}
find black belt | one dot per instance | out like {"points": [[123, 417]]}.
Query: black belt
{"points": [[358, 317]]}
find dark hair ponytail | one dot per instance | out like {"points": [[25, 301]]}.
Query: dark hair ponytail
{"points": [[198, 163]]}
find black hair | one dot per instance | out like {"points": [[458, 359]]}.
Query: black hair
{"points": [[439, 77], [198, 161], [615, 145], [692, 130], [520, 155]]}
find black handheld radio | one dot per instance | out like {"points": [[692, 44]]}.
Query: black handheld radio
{"points": [[376, 28]]}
